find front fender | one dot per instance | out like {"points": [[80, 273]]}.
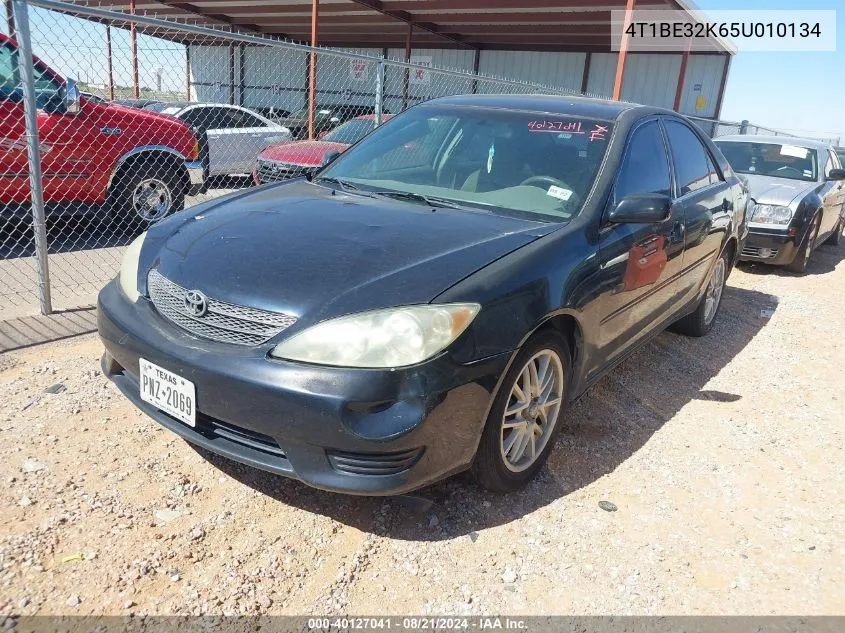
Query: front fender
{"points": [[151, 150]]}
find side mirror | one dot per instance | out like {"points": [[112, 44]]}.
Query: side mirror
{"points": [[642, 208], [72, 97], [329, 157], [836, 174]]}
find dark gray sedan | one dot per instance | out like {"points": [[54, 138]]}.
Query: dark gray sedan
{"points": [[798, 189]]}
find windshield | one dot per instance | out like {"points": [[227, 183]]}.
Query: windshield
{"points": [[523, 163], [771, 159], [350, 132]]}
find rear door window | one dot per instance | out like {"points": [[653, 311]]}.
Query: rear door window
{"points": [[242, 119]]}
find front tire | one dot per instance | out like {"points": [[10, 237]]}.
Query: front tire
{"points": [[802, 257], [149, 194], [523, 422], [701, 321]]}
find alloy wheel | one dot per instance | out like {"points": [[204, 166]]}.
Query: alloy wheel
{"points": [[532, 410], [714, 291]]}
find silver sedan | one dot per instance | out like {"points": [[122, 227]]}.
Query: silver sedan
{"points": [[230, 136]]}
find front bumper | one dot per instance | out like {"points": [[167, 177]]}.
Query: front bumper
{"points": [[770, 246], [346, 430]]}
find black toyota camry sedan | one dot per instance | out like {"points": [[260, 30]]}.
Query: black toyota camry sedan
{"points": [[433, 299]]}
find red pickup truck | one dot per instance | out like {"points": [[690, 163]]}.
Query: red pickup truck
{"points": [[129, 163]]}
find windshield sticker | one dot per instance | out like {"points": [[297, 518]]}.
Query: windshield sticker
{"points": [[559, 192], [491, 153], [171, 110], [808, 173], [792, 150], [556, 127]]}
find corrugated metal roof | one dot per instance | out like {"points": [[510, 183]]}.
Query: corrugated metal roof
{"points": [[529, 25]]}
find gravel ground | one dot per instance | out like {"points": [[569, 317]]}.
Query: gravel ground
{"points": [[722, 455]]}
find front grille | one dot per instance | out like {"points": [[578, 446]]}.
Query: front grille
{"points": [[223, 322], [275, 171], [373, 463], [755, 251]]}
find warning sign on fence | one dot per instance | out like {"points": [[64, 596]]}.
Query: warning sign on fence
{"points": [[421, 76], [358, 69]]}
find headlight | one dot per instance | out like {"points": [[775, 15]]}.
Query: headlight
{"points": [[771, 214], [129, 268], [394, 337]]}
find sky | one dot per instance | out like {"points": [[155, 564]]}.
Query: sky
{"points": [[789, 91], [803, 93]]}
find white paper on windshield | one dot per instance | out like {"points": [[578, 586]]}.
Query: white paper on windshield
{"points": [[559, 192], [792, 150], [171, 110]]}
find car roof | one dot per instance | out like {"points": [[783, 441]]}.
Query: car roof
{"points": [[809, 143], [557, 104]]}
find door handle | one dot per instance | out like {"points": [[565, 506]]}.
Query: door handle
{"points": [[677, 234], [726, 205]]}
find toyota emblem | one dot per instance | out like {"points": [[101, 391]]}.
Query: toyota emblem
{"points": [[196, 305]]}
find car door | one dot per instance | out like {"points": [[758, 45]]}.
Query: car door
{"points": [[225, 143], [833, 194], [255, 134], [201, 119], [640, 263], [707, 201]]}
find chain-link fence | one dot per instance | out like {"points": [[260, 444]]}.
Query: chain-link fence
{"points": [[715, 128], [165, 115]]}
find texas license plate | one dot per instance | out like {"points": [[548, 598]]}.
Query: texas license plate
{"points": [[168, 392]]}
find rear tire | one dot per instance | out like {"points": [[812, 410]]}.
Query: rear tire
{"points": [[701, 321], [802, 257], [524, 420]]}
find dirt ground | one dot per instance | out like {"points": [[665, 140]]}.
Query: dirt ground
{"points": [[724, 456]]}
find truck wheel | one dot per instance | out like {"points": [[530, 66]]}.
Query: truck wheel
{"points": [[802, 257], [149, 193]]}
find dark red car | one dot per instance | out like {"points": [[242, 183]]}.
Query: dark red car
{"points": [[296, 158]]}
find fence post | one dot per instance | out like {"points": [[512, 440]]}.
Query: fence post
{"points": [[30, 107], [743, 127], [379, 92]]}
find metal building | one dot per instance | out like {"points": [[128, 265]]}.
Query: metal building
{"points": [[565, 44]]}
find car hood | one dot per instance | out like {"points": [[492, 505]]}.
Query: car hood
{"points": [[306, 250], [302, 152], [780, 191]]}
